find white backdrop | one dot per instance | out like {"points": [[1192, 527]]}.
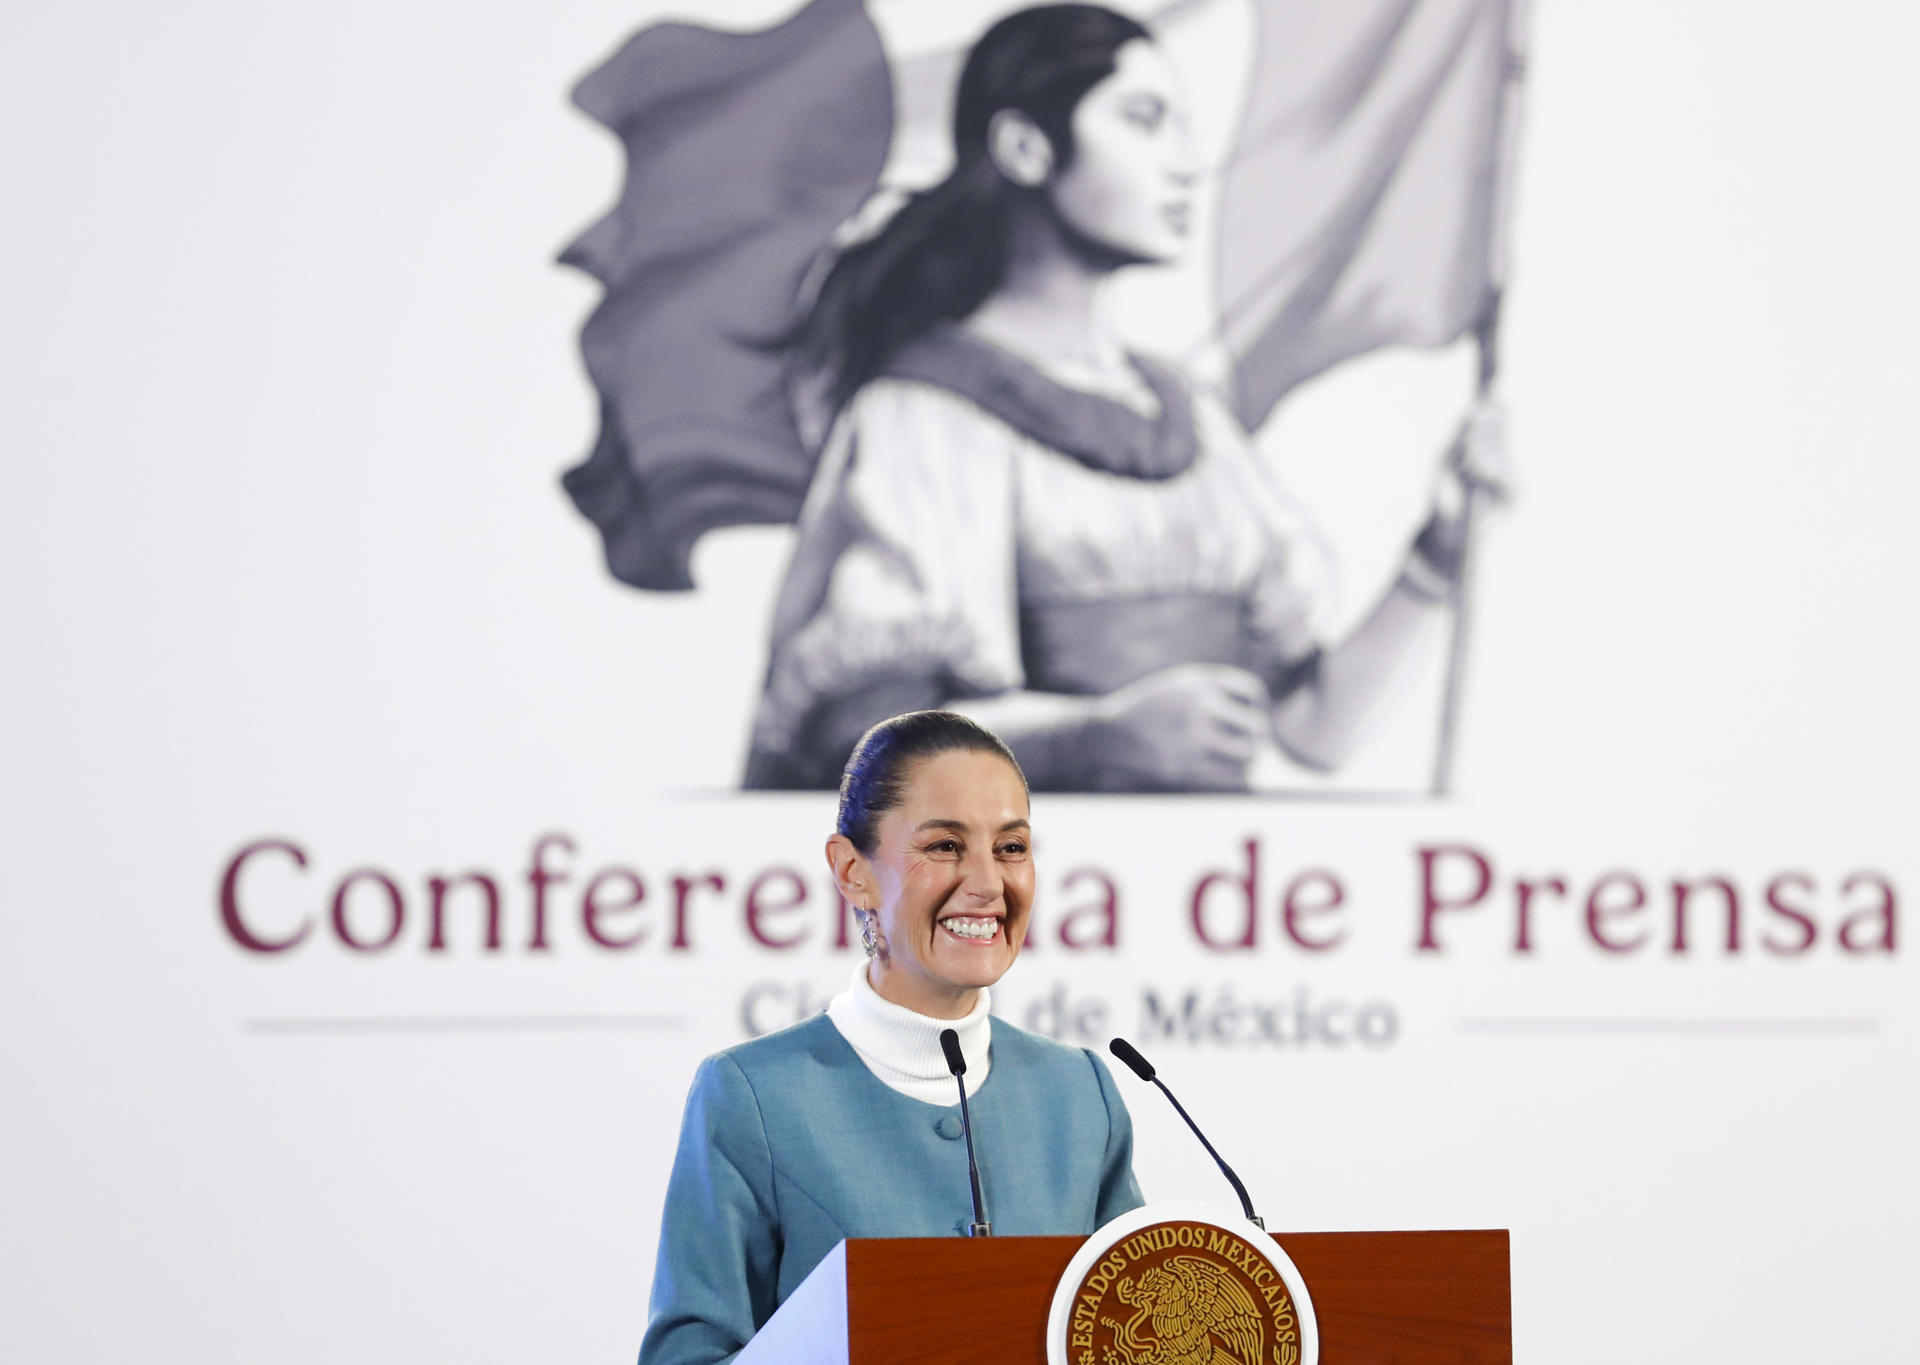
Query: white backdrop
{"points": [[288, 381]]}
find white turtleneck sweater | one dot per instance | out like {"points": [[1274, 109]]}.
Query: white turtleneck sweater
{"points": [[902, 1047]]}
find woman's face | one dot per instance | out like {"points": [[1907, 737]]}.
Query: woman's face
{"points": [[1130, 187], [952, 876]]}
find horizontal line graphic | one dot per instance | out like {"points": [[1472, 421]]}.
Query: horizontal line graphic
{"points": [[1784, 1026], [470, 1023]]}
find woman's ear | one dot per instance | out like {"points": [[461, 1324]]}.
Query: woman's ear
{"points": [[1020, 151], [851, 873]]}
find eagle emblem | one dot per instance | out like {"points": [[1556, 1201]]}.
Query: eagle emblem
{"points": [[1187, 1311], [1177, 1285]]}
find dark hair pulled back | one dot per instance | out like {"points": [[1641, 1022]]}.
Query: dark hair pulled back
{"points": [[875, 780], [948, 248]]}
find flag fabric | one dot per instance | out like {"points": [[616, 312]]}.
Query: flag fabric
{"points": [[744, 152], [1360, 201]]}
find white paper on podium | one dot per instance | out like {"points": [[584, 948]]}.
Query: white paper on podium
{"points": [[810, 1328]]}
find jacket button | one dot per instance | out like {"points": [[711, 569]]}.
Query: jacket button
{"points": [[947, 1126]]}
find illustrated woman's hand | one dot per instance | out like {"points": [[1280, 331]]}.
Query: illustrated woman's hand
{"points": [[1478, 459], [1192, 727], [1476, 468]]}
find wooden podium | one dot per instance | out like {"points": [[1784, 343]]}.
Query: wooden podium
{"points": [[1382, 1298]]}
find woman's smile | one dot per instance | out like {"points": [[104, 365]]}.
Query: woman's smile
{"points": [[972, 929]]}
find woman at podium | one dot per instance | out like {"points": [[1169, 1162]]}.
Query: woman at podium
{"points": [[848, 1125]]}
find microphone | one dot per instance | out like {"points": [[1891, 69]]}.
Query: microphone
{"points": [[1143, 1068], [957, 1064]]}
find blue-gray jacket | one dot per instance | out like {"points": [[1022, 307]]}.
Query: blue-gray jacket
{"points": [[790, 1143]]}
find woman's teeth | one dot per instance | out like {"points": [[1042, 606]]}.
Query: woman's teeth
{"points": [[961, 926]]}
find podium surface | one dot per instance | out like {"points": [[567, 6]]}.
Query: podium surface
{"points": [[1381, 1298]]}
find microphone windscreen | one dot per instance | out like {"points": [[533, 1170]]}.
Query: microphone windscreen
{"points": [[1137, 1064], [950, 1044]]}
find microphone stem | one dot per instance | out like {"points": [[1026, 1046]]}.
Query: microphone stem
{"points": [[980, 1226], [1246, 1204]]}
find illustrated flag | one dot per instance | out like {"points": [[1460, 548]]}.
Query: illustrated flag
{"points": [[1360, 201], [1358, 208], [744, 153]]}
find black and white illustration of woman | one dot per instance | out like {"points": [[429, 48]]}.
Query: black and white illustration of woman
{"points": [[1015, 516]]}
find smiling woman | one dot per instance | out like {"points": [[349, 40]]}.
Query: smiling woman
{"points": [[845, 1125], [943, 881]]}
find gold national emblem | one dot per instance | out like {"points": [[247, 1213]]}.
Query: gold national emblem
{"points": [[1182, 1293]]}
